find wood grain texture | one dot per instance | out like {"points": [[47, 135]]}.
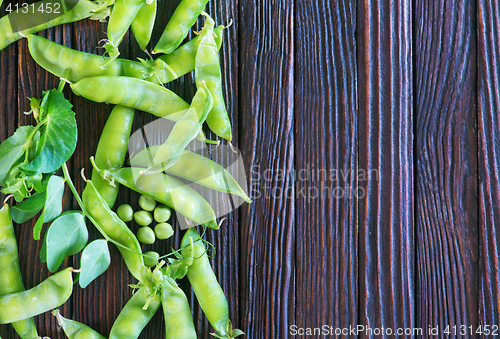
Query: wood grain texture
{"points": [[446, 139], [489, 161], [403, 94], [386, 232], [267, 251], [326, 153]]}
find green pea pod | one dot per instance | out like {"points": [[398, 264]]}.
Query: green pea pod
{"points": [[178, 317], [133, 318], [115, 228], [82, 10], [57, 59], [121, 18], [207, 70], [182, 60], [196, 168], [165, 190], [51, 293], [143, 24], [130, 92], [185, 130], [10, 273], [205, 286], [112, 148], [74, 329], [179, 24]]}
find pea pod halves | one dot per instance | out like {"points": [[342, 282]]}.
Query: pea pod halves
{"points": [[166, 190], [10, 273]]}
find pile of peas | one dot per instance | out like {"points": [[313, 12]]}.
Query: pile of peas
{"points": [[146, 235]]}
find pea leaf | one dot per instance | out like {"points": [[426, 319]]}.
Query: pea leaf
{"points": [[66, 236], [12, 149], [37, 229], [28, 208], [58, 141], [95, 261], [53, 202], [43, 250]]}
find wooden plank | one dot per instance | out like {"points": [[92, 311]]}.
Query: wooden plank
{"points": [[386, 240], [446, 116], [266, 132], [326, 139], [489, 161]]}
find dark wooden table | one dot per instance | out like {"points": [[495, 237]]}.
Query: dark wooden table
{"points": [[384, 115]]}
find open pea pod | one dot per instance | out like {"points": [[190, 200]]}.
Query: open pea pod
{"points": [[166, 190], [196, 168]]}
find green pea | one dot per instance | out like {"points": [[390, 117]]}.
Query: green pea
{"points": [[125, 212], [147, 203], [143, 218], [151, 262], [162, 213], [164, 231], [146, 235]]}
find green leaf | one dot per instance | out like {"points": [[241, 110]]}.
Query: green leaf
{"points": [[28, 208], [236, 332], [38, 227], [35, 182], [43, 250], [12, 149], [95, 261], [66, 236], [53, 202], [58, 141]]}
